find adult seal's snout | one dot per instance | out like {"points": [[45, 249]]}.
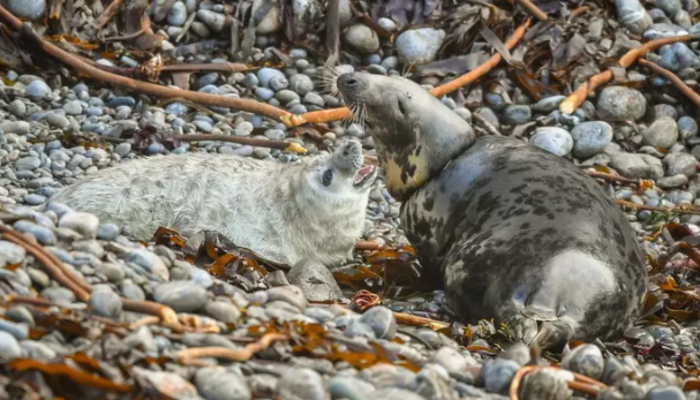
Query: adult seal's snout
{"points": [[509, 230]]}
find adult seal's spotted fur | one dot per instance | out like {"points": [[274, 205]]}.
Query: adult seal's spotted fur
{"points": [[511, 231], [312, 209]]}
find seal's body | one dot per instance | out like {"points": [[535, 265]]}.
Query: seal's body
{"points": [[312, 209], [509, 230]]}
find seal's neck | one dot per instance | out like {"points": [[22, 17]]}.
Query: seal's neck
{"points": [[411, 153]]}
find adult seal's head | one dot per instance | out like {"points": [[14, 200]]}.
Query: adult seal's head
{"points": [[412, 144]]}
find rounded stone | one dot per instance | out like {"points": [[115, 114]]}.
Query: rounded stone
{"points": [[302, 383], [85, 224], [105, 302], [418, 46], [516, 114], [661, 133], [555, 140], [38, 89], [591, 138], [381, 320], [177, 14], [181, 296], [620, 103], [362, 38]]}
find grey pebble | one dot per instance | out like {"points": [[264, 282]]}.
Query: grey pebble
{"points": [[17, 108], [105, 302], [290, 294], [222, 311], [73, 107], [38, 89], [59, 295], [516, 114], [301, 84], [350, 388], [11, 253], [681, 163], [122, 149], [37, 351], [418, 46], [266, 74], [497, 375], [381, 320], [181, 296], [85, 224], [58, 121], [218, 384], [394, 393], [661, 133], [591, 138], [620, 103], [213, 20], [553, 139], [9, 347], [637, 165], [177, 15], [585, 359], [34, 199], [16, 127], [315, 280], [19, 330], [43, 234], [150, 262], [108, 231], [302, 383], [362, 38]]}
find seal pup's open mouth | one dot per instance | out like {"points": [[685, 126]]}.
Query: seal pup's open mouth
{"points": [[366, 174]]}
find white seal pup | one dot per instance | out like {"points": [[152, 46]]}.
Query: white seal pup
{"points": [[314, 208]]}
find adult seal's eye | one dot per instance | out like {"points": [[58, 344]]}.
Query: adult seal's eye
{"points": [[327, 177]]}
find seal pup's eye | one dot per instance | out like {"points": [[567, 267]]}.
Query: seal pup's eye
{"points": [[327, 177]]}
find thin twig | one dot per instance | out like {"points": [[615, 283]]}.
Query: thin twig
{"points": [[533, 9], [616, 178], [108, 14], [145, 87], [337, 114], [571, 103], [240, 355], [677, 82]]}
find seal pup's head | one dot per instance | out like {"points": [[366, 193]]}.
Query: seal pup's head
{"points": [[341, 176], [415, 134]]}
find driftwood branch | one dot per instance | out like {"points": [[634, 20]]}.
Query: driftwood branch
{"points": [[571, 103], [533, 9], [336, 114], [677, 82], [144, 87]]}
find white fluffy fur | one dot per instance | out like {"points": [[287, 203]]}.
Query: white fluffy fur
{"points": [[281, 211]]}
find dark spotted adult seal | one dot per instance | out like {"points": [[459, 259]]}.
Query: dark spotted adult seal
{"points": [[509, 230]]}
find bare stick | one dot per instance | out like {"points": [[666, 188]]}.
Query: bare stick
{"points": [[144, 87], [571, 103], [533, 9], [677, 82], [241, 355], [337, 114]]}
